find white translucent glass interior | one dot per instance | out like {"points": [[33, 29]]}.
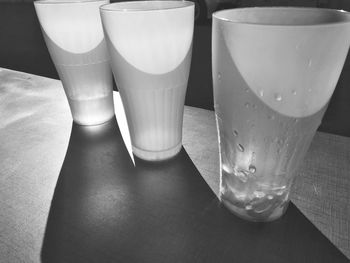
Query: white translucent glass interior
{"points": [[74, 26], [154, 42], [292, 69]]}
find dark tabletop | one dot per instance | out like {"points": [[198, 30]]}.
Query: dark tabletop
{"points": [[70, 193]]}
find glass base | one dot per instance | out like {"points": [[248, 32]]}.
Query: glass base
{"points": [[156, 155], [254, 216], [93, 111]]}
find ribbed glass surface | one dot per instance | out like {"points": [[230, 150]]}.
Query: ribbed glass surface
{"points": [[151, 56]]}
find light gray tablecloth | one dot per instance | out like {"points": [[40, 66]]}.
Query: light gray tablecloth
{"points": [[35, 126]]}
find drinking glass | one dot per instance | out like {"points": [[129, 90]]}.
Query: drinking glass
{"points": [[274, 72], [150, 44], [74, 37]]}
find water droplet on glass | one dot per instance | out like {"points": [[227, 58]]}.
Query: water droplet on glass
{"points": [[226, 168], [271, 117], [253, 156], [265, 206], [235, 133], [219, 76], [278, 97], [240, 147], [297, 47], [242, 175], [240, 196], [247, 104], [246, 89], [294, 92], [286, 197], [248, 207], [261, 93], [278, 187], [252, 168], [280, 192], [310, 63], [259, 194], [270, 197]]}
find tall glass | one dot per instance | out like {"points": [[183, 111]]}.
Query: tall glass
{"points": [[74, 36], [274, 71], [150, 44]]}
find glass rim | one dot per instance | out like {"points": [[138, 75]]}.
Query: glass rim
{"points": [[66, 2], [218, 16], [109, 7]]}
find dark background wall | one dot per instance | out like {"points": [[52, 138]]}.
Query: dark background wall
{"points": [[22, 48]]}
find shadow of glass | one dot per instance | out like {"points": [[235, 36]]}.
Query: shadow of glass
{"points": [[105, 209]]}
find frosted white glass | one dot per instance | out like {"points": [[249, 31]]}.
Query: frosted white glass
{"points": [[274, 71], [74, 36], [150, 44]]}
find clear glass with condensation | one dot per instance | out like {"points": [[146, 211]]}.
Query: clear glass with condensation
{"points": [[150, 43], [274, 72], [74, 37]]}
